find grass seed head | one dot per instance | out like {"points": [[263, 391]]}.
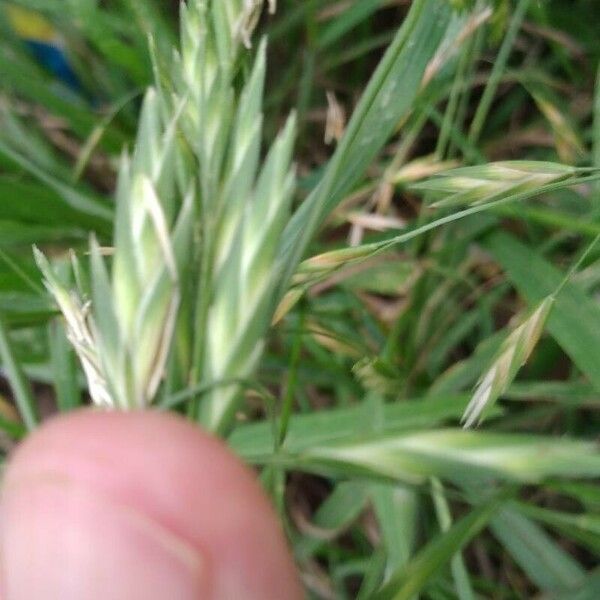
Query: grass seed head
{"points": [[195, 175], [80, 331], [513, 354], [494, 181]]}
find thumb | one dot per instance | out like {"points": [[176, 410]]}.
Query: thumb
{"points": [[117, 506]]}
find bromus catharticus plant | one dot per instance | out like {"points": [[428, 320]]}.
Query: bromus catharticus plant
{"points": [[204, 244], [174, 310]]}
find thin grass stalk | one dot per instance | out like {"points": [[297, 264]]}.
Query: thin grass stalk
{"points": [[499, 65], [460, 573]]}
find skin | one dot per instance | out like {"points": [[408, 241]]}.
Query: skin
{"points": [[117, 506]]}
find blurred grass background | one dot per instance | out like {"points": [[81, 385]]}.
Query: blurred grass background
{"points": [[388, 347]]}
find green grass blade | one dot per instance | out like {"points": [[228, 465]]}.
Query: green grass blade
{"points": [[412, 578], [596, 139], [583, 528], [257, 439], [387, 100], [499, 65], [71, 196], [343, 506], [64, 366], [545, 563], [455, 455], [24, 398], [588, 590], [14, 430], [460, 574], [347, 20], [397, 510]]}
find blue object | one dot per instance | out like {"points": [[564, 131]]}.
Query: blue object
{"points": [[54, 59]]}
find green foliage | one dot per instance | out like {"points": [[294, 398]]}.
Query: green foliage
{"points": [[193, 238]]}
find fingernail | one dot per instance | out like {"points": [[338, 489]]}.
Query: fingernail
{"points": [[61, 541]]}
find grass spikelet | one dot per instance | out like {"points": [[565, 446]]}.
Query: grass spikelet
{"points": [[80, 331], [513, 354], [249, 18], [494, 181], [336, 119], [516, 349]]}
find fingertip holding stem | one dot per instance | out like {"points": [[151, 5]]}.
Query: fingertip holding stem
{"points": [[117, 506]]}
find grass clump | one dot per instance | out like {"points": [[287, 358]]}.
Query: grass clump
{"points": [[328, 309]]}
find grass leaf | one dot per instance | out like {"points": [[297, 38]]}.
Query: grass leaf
{"points": [[412, 578]]}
